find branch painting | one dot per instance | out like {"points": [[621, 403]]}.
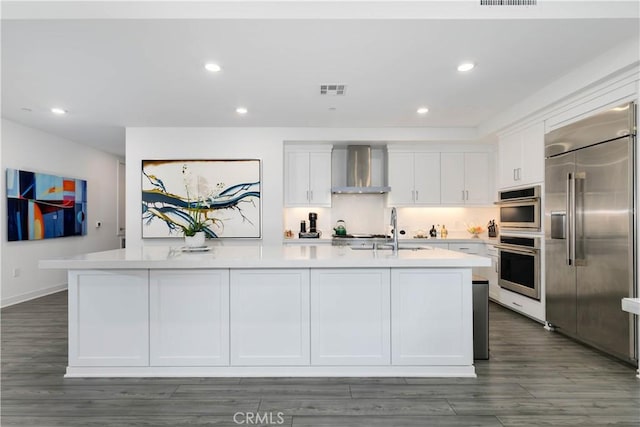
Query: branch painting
{"points": [[219, 197], [42, 206]]}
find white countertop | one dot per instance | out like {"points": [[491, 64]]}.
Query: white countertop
{"points": [[263, 256], [632, 305]]}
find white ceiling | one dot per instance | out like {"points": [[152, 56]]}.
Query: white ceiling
{"points": [[114, 73]]}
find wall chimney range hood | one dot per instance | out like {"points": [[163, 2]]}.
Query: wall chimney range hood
{"points": [[359, 173]]}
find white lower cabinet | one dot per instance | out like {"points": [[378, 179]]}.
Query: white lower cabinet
{"points": [[431, 317], [269, 317], [189, 317], [108, 318], [527, 306], [350, 317]]}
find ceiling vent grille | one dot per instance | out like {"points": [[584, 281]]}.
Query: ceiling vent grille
{"points": [[508, 2], [334, 90]]}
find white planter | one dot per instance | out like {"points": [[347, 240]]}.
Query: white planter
{"points": [[197, 240]]}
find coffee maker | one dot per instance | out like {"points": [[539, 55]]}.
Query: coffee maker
{"points": [[313, 233]]}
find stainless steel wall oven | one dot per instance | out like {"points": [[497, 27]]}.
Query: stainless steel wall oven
{"points": [[520, 209], [519, 265]]}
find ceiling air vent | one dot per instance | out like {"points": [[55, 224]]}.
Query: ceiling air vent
{"points": [[333, 89], [508, 2]]}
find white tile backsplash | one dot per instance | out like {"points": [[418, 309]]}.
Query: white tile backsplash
{"points": [[368, 213]]}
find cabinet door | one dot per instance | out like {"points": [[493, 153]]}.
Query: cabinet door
{"points": [[350, 317], [189, 317], [269, 317], [426, 178], [533, 153], [422, 299], [320, 179], [452, 178], [477, 179], [108, 318], [401, 179], [509, 159], [296, 179]]}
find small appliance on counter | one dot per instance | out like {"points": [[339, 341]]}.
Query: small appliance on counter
{"points": [[313, 233]]}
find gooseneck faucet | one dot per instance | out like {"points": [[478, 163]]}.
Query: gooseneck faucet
{"points": [[394, 231]]}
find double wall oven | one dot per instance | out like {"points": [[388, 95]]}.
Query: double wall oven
{"points": [[520, 252], [519, 265]]}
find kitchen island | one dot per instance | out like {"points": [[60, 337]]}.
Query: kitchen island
{"points": [[257, 310]]}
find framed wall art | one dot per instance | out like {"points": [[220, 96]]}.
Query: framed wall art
{"points": [[222, 195], [43, 206]]}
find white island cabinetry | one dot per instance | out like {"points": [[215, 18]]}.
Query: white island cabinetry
{"points": [[270, 311], [269, 317], [108, 318], [189, 317], [430, 312], [350, 317]]}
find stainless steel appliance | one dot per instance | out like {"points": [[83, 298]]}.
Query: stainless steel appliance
{"points": [[519, 265], [520, 209], [589, 229]]}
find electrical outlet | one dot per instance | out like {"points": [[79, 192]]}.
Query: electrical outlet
{"points": [[16, 272]]}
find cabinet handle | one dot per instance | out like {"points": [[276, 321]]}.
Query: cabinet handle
{"points": [[413, 195], [311, 193], [462, 194], [515, 175], [467, 194], [308, 196], [496, 264], [417, 195], [516, 304], [519, 174]]}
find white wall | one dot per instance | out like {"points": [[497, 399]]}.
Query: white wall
{"points": [[264, 143], [30, 149]]}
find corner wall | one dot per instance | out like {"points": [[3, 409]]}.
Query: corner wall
{"points": [[30, 149]]}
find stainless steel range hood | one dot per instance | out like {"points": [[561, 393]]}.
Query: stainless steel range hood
{"points": [[359, 173]]}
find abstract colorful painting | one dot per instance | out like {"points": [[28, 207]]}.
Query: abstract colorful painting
{"points": [[41, 206], [225, 194]]}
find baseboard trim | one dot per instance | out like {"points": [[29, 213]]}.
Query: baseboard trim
{"points": [[6, 302]]}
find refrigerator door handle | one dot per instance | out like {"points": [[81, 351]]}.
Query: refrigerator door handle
{"points": [[579, 181], [568, 224]]}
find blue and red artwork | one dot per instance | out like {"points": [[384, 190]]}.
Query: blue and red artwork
{"points": [[41, 206]]}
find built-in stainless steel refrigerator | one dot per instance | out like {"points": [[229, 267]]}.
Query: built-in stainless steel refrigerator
{"points": [[590, 230]]}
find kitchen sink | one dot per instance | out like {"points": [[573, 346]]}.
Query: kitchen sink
{"points": [[373, 247]]}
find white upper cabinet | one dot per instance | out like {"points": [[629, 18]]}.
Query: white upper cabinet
{"points": [[414, 178], [307, 176], [521, 157], [465, 179]]}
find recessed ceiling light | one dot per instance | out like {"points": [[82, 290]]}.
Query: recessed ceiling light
{"points": [[214, 68], [56, 110], [423, 110], [466, 66], [241, 110]]}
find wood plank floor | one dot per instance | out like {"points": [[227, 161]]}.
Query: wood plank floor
{"points": [[534, 378]]}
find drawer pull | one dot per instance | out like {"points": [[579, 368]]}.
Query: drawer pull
{"points": [[516, 304]]}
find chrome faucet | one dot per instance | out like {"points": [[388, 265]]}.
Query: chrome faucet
{"points": [[394, 231]]}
